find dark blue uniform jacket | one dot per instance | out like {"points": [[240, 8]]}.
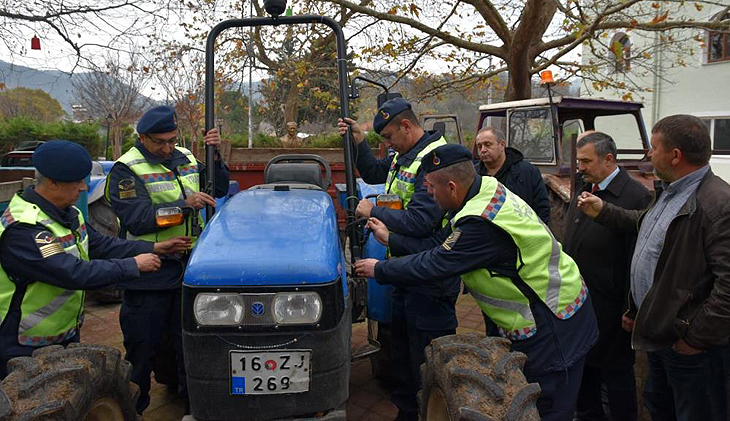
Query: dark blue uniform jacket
{"points": [[418, 220], [423, 214], [482, 244], [137, 214], [23, 262]]}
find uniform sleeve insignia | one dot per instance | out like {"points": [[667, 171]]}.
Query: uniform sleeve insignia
{"points": [[48, 244], [452, 239], [126, 188]]}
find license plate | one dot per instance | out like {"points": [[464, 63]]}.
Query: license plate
{"points": [[269, 373]]}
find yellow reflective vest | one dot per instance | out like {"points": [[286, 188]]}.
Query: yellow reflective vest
{"points": [[163, 186], [541, 264], [48, 314], [403, 181]]}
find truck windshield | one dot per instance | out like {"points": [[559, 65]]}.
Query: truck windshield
{"points": [[531, 132]]}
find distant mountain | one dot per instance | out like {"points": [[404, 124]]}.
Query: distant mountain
{"points": [[57, 84]]}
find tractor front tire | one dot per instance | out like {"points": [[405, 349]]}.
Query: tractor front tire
{"points": [[475, 378], [83, 382]]}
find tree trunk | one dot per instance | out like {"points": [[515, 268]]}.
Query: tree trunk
{"points": [[117, 142], [291, 106], [519, 83]]}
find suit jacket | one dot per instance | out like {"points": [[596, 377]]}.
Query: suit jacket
{"points": [[604, 258]]}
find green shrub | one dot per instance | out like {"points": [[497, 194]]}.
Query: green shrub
{"points": [[261, 140], [373, 139], [19, 129]]}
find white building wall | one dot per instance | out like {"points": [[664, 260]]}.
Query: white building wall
{"points": [[694, 87]]}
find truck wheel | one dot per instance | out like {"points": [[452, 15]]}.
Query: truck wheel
{"points": [[102, 218], [82, 382], [473, 377]]}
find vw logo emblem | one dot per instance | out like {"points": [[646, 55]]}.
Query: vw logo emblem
{"points": [[257, 309]]}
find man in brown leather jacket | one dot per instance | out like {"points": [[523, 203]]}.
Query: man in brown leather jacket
{"points": [[680, 274]]}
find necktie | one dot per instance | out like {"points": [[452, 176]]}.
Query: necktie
{"points": [[594, 189]]}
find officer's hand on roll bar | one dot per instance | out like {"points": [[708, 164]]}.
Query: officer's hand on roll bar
{"points": [[358, 135]]}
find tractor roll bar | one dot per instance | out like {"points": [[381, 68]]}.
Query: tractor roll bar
{"points": [[355, 248]]}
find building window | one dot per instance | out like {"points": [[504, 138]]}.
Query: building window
{"points": [[718, 46], [620, 50], [719, 129]]}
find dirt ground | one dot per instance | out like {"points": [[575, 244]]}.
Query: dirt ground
{"points": [[368, 400]]}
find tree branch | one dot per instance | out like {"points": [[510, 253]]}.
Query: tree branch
{"points": [[456, 41]]}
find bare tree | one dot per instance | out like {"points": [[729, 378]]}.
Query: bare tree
{"points": [[114, 92], [180, 77], [525, 36], [82, 27]]}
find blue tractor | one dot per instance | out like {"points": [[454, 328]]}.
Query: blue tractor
{"points": [[267, 302]]}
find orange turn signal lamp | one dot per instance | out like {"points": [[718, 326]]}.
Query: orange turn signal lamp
{"points": [[546, 77], [169, 217], [389, 201]]}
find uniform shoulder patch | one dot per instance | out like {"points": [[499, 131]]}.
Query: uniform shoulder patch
{"points": [[126, 188], [47, 244], [452, 239]]}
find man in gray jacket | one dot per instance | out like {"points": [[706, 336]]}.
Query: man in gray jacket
{"points": [[680, 274]]}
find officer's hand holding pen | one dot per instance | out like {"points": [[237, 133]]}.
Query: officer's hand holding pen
{"points": [[365, 268], [173, 245], [380, 231], [147, 262]]}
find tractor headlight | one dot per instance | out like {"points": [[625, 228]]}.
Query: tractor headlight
{"points": [[297, 308], [218, 309]]}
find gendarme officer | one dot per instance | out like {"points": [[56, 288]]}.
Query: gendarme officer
{"points": [[514, 268], [48, 255], [154, 174], [424, 311]]}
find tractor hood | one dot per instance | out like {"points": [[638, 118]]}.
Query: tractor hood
{"points": [[266, 237]]}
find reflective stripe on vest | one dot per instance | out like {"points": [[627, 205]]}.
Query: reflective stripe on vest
{"points": [[403, 181], [541, 264], [48, 314], [163, 187]]}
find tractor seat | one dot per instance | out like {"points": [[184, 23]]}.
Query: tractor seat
{"points": [[294, 172]]}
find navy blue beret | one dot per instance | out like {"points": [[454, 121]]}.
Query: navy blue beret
{"points": [[160, 119], [443, 156], [388, 111], [61, 160]]}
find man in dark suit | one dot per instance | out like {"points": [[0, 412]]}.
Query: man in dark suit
{"points": [[604, 257]]}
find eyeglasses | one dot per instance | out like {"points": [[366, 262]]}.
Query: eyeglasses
{"points": [[171, 142]]}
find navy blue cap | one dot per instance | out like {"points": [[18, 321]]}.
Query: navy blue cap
{"points": [[160, 119], [61, 160], [443, 156], [388, 111]]}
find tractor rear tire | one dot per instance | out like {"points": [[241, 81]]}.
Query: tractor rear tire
{"points": [[83, 382], [475, 378]]}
